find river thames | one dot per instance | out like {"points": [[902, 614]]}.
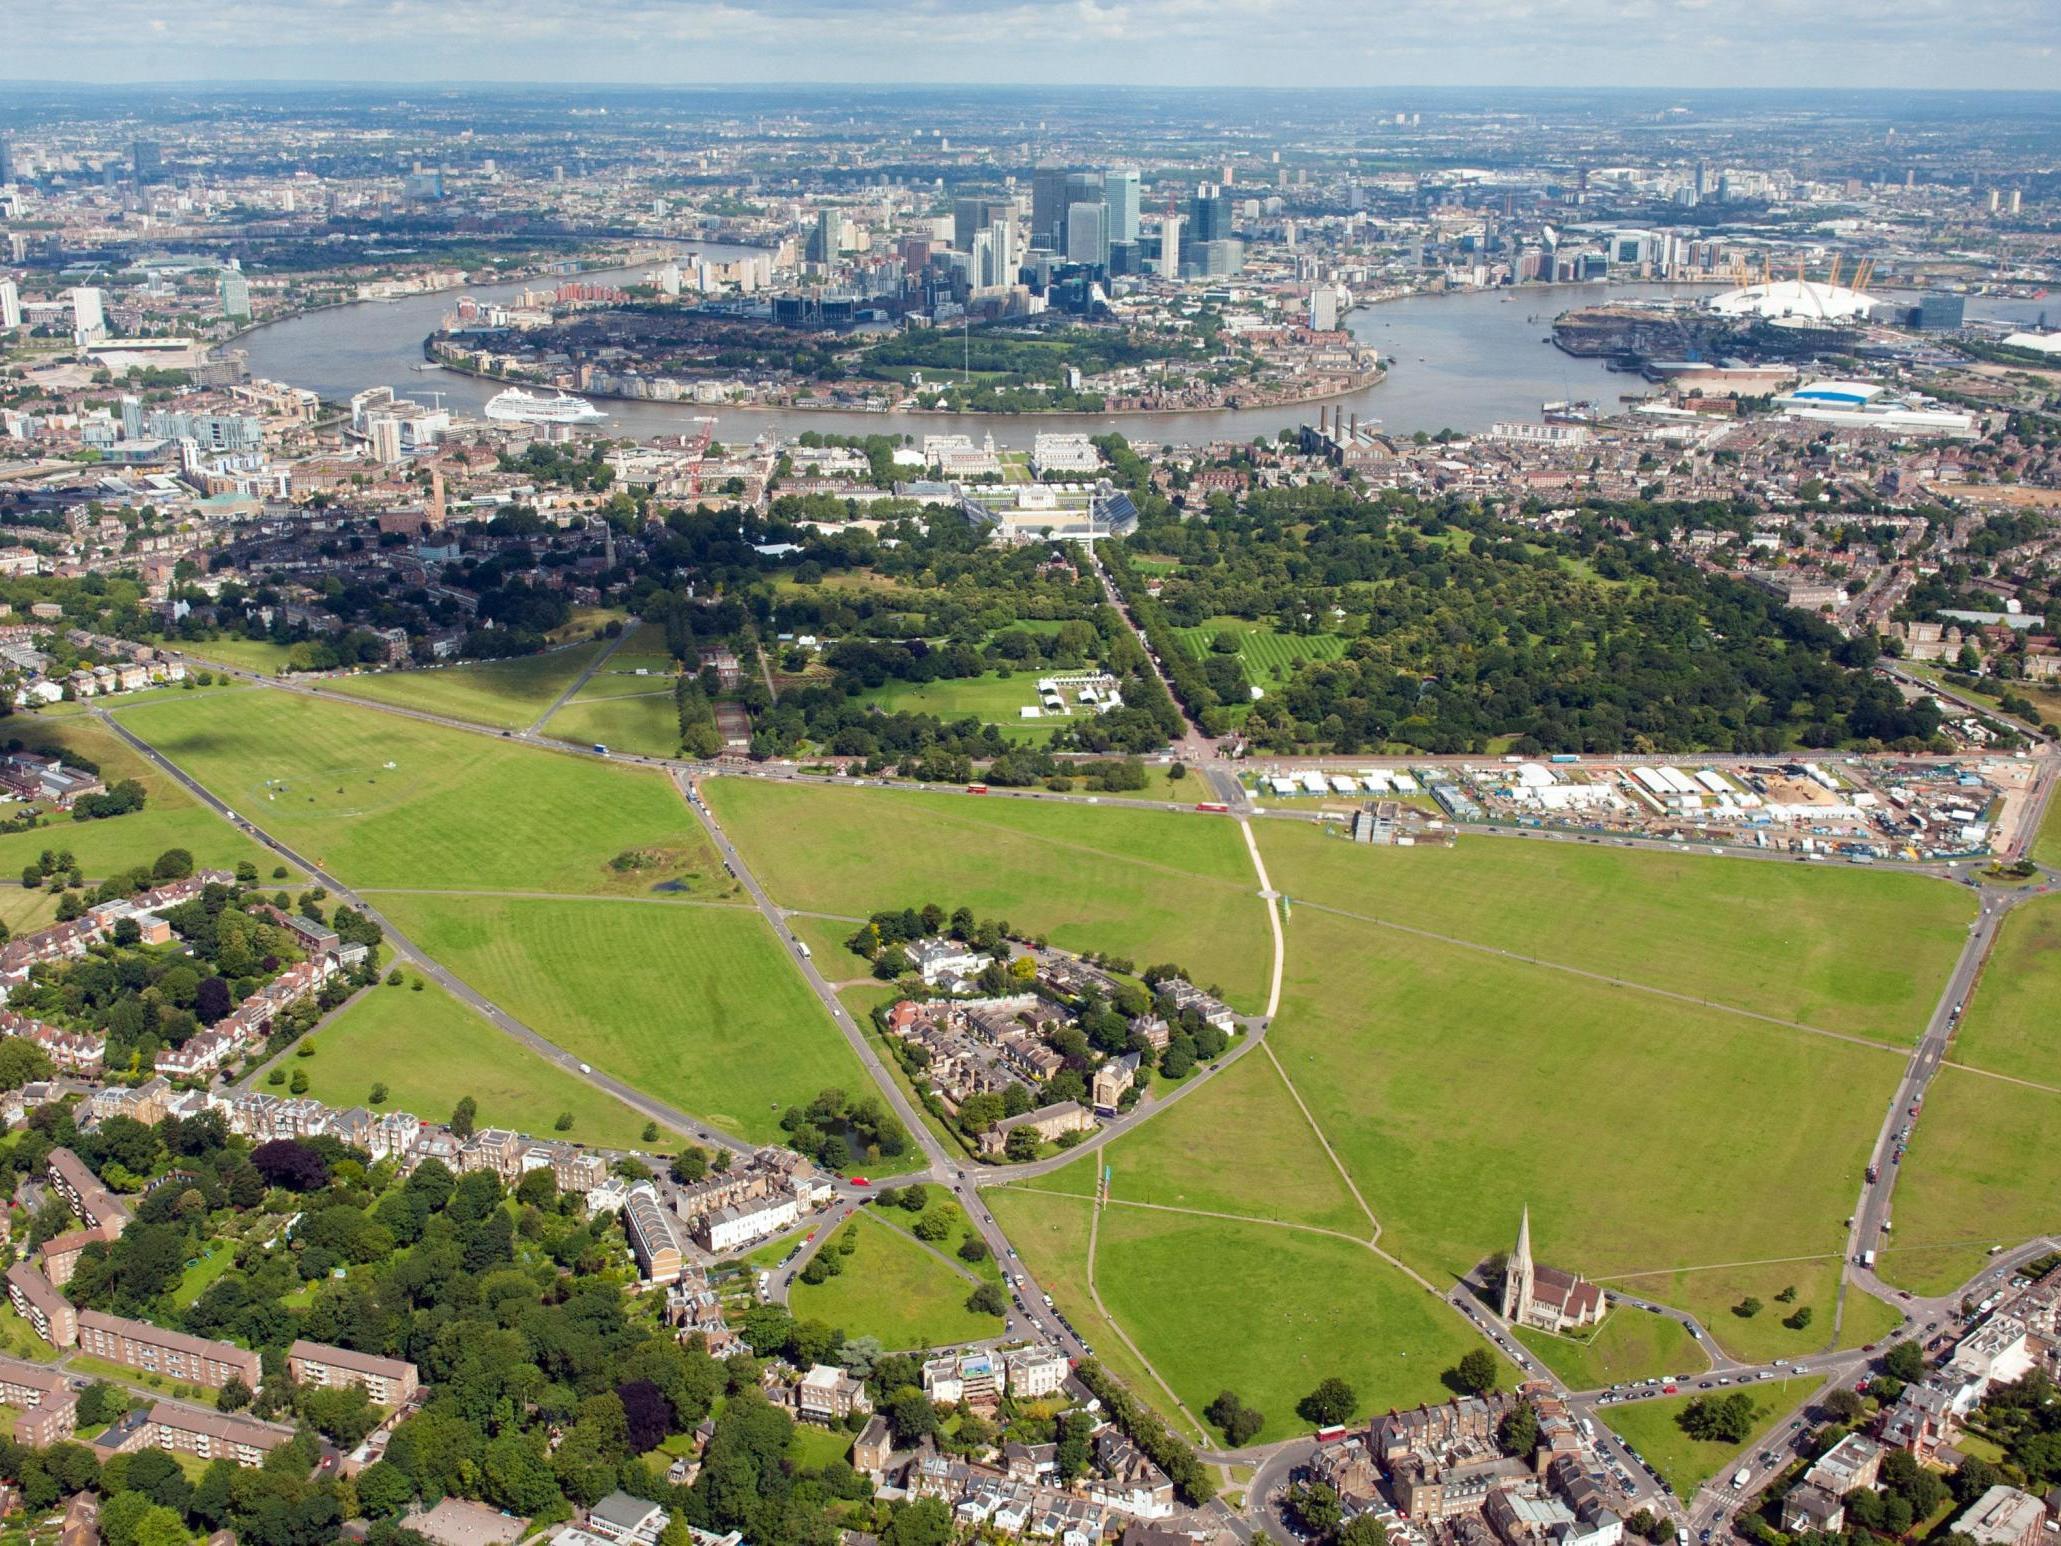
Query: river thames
{"points": [[1459, 361]]}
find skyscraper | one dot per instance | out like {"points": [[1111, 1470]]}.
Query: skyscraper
{"points": [[1209, 217], [1087, 233], [235, 293], [10, 305], [1170, 247], [971, 215], [1122, 192], [89, 318], [1048, 206], [6, 162], [146, 161]]}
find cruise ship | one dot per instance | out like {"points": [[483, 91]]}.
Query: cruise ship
{"points": [[519, 407]]}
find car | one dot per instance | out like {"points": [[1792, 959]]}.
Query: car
{"points": [[1867, 1347], [1703, 1384], [860, 1181]]}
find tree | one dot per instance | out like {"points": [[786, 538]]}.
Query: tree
{"points": [[934, 1225], [1312, 1506], [1332, 1402], [973, 1249], [1239, 1422], [1720, 1419], [1519, 1434], [1799, 1319], [1845, 1405], [910, 1416], [463, 1115], [1021, 1146], [1476, 1371], [926, 1522], [290, 1163], [1747, 1308], [1904, 1361], [384, 1489], [1362, 1530], [647, 1412], [235, 1394], [988, 1299]]}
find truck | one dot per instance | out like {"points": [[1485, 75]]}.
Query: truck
{"points": [[600, 750], [1564, 757], [1868, 1257], [1741, 1477], [803, 948]]}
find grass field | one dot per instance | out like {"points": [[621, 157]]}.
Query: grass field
{"points": [[1684, 1463], [695, 1005], [1717, 1293], [1983, 1169], [1237, 1145], [1266, 656], [170, 818], [24, 911], [1279, 1310], [939, 1197], [893, 1289], [387, 801], [1152, 886], [646, 725], [1050, 1233], [1705, 1137], [506, 694], [2013, 1025], [992, 698], [1848, 950], [245, 654], [2046, 846], [430, 1052], [1629, 1345], [826, 938]]}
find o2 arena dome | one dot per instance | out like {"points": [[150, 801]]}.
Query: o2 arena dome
{"points": [[1795, 303]]}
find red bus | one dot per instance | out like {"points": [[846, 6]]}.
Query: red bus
{"points": [[976, 788], [1214, 807]]}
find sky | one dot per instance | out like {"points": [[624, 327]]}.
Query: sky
{"points": [[1865, 43]]}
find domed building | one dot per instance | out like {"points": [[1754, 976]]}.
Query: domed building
{"points": [[1795, 303]]}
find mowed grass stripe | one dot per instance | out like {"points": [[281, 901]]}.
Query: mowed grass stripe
{"points": [[1861, 952], [430, 1052], [378, 799], [698, 1006], [1157, 887], [1459, 1088]]}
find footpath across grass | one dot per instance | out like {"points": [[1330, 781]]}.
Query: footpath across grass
{"points": [[1853, 950], [387, 801], [697, 1006], [430, 1052], [893, 1289], [1654, 1430]]}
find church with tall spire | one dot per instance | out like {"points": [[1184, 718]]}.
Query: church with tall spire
{"points": [[1546, 1297]]}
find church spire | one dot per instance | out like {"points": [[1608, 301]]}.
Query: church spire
{"points": [[1523, 1252]]}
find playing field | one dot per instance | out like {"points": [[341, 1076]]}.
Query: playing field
{"points": [[1157, 887], [646, 724], [1865, 952], [1270, 1312], [170, 818], [1629, 1345], [1718, 1293], [1239, 1144], [431, 1051], [993, 698], [506, 694], [1684, 1463], [2013, 1024], [387, 801], [1983, 1169], [245, 654], [695, 1005], [1447, 1079], [893, 1289], [1266, 656]]}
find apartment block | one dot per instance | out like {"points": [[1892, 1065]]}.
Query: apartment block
{"points": [[174, 1354], [42, 1306], [211, 1435], [49, 1410], [388, 1381]]}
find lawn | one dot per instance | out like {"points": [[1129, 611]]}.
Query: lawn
{"points": [[387, 801], [647, 725], [245, 654], [1847, 949], [170, 818], [1270, 1312], [1449, 1081], [812, 1447], [1684, 1463], [826, 938], [994, 698], [1983, 1169], [217, 1259], [941, 1198], [695, 1005], [1154, 886], [2046, 847], [893, 1289], [1629, 1345], [1050, 1234], [1718, 1294], [505, 694], [2011, 1026], [430, 1051], [1239, 1145], [23, 911], [1266, 656]]}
